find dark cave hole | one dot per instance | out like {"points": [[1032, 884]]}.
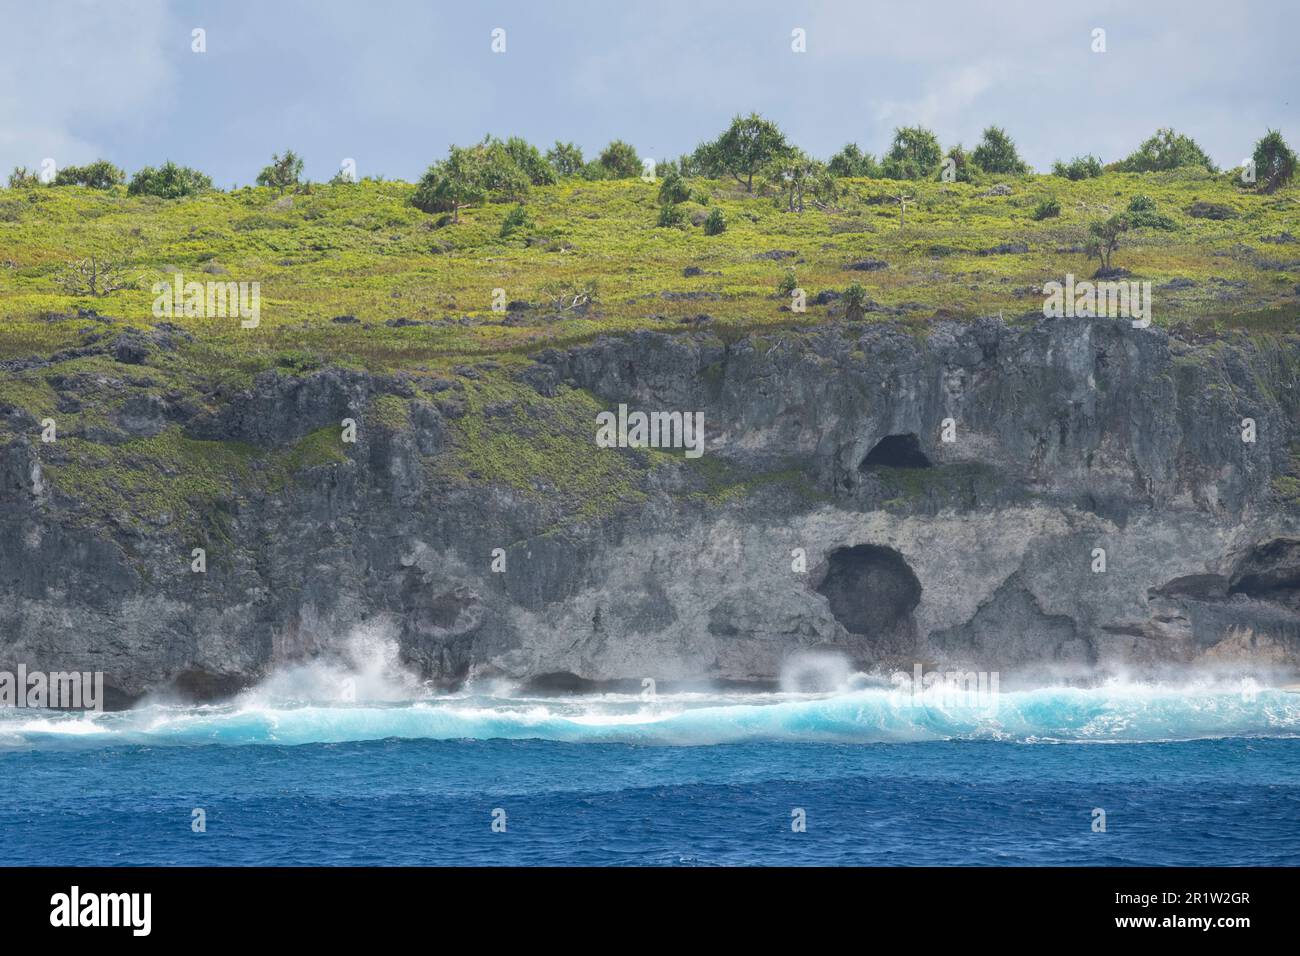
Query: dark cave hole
{"points": [[896, 451], [1270, 572], [871, 590]]}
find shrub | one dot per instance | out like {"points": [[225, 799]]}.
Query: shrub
{"points": [[515, 220], [715, 223], [283, 172], [1047, 208], [1081, 167], [619, 160], [1142, 213], [566, 295], [855, 300], [961, 165], [168, 181], [673, 188], [22, 178], [671, 215], [789, 282], [565, 158], [996, 153], [529, 159], [851, 162], [101, 174], [1166, 150], [914, 154], [1201, 209], [1275, 161]]}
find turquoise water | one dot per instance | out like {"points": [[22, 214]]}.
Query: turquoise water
{"points": [[1184, 775]]}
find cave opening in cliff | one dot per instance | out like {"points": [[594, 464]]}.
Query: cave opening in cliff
{"points": [[1270, 572], [871, 591], [896, 451]]}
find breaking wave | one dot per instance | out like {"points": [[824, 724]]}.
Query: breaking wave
{"points": [[1118, 713], [365, 694]]}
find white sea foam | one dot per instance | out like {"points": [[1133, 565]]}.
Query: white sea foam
{"points": [[366, 694]]}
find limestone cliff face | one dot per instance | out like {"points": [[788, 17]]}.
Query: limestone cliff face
{"points": [[828, 512]]}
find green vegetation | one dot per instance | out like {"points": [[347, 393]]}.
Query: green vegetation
{"points": [[914, 154], [1047, 208], [748, 145], [401, 279], [996, 153], [618, 160], [851, 163], [101, 174], [1104, 236], [1274, 160], [168, 181], [1081, 167], [1166, 150], [284, 171], [367, 250], [416, 264]]}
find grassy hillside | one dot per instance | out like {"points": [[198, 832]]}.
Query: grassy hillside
{"points": [[362, 251], [418, 294]]}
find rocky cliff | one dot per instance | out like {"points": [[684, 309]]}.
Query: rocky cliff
{"points": [[1061, 498]]}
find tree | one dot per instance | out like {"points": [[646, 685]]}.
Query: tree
{"points": [[469, 175], [101, 174], [451, 184], [1104, 238], [747, 145], [904, 200], [565, 158], [1166, 150], [914, 154], [95, 276], [283, 172], [1275, 161], [797, 173], [619, 160], [529, 159], [851, 162], [997, 154], [168, 181]]}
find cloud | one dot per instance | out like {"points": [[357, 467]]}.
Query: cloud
{"points": [[75, 75], [945, 100]]}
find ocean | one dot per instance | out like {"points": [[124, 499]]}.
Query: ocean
{"points": [[1119, 774]]}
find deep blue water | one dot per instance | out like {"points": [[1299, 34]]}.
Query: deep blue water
{"points": [[982, 796]]}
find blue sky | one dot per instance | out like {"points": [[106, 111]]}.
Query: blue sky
{"points": [[390, 83]]}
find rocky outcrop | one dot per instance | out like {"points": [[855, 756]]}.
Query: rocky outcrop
{"points": [[1069, 497]]}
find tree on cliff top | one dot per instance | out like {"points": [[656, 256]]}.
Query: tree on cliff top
{"points": [[747, 145]]}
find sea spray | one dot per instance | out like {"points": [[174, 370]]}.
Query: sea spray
{"points": [[1110, 713]]}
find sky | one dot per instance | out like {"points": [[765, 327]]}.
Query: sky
{"points": [[391, 83]]}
